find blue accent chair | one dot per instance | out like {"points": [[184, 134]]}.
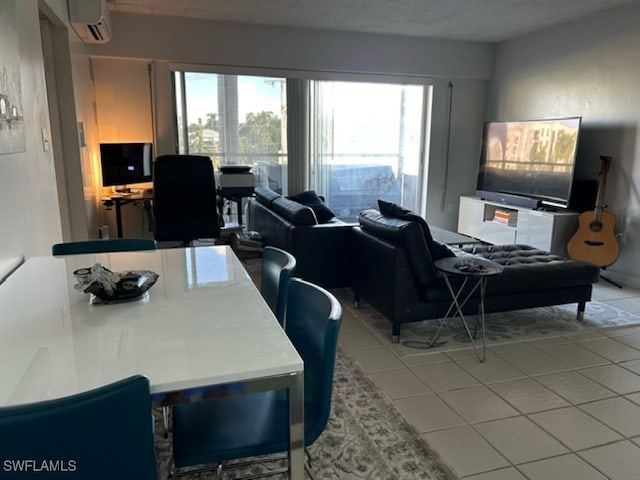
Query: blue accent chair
{"points": [[278, 267], [104, 433], [103, 246], [238, 426]]}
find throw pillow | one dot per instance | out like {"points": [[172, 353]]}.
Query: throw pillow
{"points": [[436, 249], [311, 199]]}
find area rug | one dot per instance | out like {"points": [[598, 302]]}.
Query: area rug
{"points": [[504, 327], [366, 438]]}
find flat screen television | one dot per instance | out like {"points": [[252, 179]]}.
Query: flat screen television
{"points": [[126, 163], [533, 159]]}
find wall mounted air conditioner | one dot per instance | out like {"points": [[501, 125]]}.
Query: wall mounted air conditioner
{"points": [[90, 20]]}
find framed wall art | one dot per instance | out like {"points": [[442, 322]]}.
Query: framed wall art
{"points": [[12, 135]]}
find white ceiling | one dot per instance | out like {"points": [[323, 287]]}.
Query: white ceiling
{"points": [[475, 20]]}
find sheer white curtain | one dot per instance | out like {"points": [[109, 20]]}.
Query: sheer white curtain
{"points": [[321, 136], [365, 144]]}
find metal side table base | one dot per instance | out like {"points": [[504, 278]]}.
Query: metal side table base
{"points": [[479, 269]]}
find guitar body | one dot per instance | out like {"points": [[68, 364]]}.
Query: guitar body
{"points": [[595, 243]]}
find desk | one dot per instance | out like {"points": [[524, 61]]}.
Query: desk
{"points": [[203, 325], [235, 194], [119, 201]]}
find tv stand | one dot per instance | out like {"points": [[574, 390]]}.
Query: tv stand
{"points": [[499, 223]]}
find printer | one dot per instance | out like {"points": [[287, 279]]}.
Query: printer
{"points": [[235, 181]]}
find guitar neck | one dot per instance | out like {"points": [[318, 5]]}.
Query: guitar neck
{"points": [[605, 162]]}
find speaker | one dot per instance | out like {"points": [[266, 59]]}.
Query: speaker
{"points": [[508, 199], [583, 195]]}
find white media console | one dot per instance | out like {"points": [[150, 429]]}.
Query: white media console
{"points": [[497, 223]]}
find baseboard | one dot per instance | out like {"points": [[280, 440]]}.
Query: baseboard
{"points": [[625, 279]]}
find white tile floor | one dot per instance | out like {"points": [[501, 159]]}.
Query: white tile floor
{"points": [[561, 408]]}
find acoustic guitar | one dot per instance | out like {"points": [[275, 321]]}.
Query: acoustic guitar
{"points": [[595, 241]]}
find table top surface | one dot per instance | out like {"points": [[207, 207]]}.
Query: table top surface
{"points": [[474, 267], [203, 323], [451, 238]]}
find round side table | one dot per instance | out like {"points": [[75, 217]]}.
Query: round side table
{"points": [[474, 269]]}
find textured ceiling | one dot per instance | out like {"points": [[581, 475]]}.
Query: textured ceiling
{"points": [[475, 20]]}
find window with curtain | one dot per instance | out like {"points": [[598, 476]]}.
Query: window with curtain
{"points": [[365, 144], [235, 120], [352, 142]]}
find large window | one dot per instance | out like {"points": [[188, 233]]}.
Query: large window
{"points": [[366, 144], [363, 140], [235, 120]]}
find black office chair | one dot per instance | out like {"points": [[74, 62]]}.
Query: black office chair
{"points": [[184, 199]]}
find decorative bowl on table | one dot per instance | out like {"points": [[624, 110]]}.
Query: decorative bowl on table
{"points": [[110, 286]]}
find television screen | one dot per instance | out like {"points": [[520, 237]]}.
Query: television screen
{"points": [[534, 159], [126, 163]]}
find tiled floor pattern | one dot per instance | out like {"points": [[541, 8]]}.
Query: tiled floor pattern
{"points": [[557, 408]]}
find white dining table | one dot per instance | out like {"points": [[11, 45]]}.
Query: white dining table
{"points": [[202, 329]]}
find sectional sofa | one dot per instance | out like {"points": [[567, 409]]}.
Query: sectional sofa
{"points": [[392, 269], [387, 260], [320, 242]]}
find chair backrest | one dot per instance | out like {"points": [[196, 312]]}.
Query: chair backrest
{"points": [[104, 433], [314, 317], [184, 198], [101, 246], [277, 269]]}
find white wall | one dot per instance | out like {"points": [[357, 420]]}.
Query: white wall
{"points": [[323, 54], [29, 215], [30, 218], [590, 68]]}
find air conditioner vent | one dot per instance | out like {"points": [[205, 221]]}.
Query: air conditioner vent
{"points": [[98, 33], [90, 20]]}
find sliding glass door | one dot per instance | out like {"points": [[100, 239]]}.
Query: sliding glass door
{"points": [[235, 120], [355, 142], [366, 141]]}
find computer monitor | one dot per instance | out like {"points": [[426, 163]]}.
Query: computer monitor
{"points": [[126, 163]]}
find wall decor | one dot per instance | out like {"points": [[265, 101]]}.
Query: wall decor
{"points": [[12, 135]]}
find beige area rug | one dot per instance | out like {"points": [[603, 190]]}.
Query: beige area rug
{"points": [[500, 327], [366, 438]]}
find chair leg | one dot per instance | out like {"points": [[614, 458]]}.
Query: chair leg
{"points": [[307, 464], [174, 473], [165, 421], [356, 301]]}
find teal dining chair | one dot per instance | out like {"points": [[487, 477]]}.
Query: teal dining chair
{"points": [[103, 433], [103, 246], [278, 267], [209, 432]]}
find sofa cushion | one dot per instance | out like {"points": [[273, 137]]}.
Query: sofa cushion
{"points": [[408, 235], [294, 212], [311, 199], [265, 195], [436, 249], [527, 269]]}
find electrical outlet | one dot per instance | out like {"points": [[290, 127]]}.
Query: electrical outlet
{"points": [[45, 140]]}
